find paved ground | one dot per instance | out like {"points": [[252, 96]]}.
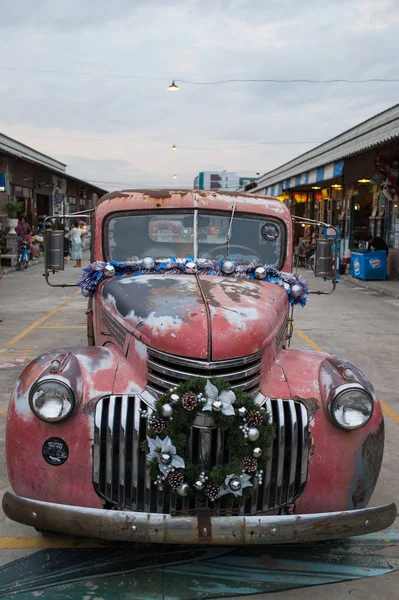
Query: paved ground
{"points": [[354, 322]]}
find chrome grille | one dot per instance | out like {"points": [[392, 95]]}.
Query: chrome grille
{"points": [[165, 371], [121, 478]]}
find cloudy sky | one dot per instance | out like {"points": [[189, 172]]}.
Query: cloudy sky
{"points": [[105, 109]]}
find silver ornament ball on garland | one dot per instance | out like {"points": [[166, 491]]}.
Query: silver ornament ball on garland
{"points": [[165, 458], [260, 273], [167, 411], [191, 268], [174, 399], [217, 406], [147, 263], [228, 267], [257, 452], [253, 434], [235, 484], [242, 411], [183, 490], [109, 270], [296, 290], [199, 485]]}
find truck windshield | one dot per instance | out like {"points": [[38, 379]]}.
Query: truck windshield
{"points": [[132, 237]]}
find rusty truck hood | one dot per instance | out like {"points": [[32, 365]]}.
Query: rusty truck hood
{"points": [[205, 317]]}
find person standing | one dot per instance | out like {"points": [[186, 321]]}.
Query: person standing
{"points": [[75, 235], [23, 228]]}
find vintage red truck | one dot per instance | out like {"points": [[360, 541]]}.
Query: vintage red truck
{"points": [[87, 445]]}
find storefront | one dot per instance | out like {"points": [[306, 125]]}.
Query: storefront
{"points": [[350, 182]]}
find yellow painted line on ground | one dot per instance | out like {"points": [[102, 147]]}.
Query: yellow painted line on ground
{"points": [[63, 327], [3, 412], [39, 322], [387, 410], [39, 541]]}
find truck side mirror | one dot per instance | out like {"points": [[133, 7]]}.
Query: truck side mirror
{"points": [[324, 262], [54, 250]]}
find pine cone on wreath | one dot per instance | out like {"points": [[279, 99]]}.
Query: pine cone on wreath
{"points": [[189, 401], [212, 491], [250, 464], [175, 479], [158, 425], [254, 418]]}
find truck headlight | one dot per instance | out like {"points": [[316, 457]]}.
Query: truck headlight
{"points": [[351, 406], [52, 400]]}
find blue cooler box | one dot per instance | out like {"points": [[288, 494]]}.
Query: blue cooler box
{"points": [[369, 265]]}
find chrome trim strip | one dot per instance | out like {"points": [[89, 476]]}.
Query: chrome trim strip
{"points": [[280, 452], [202, 364], [164, 383], [173, 372], [268, 470], [293, 451], [135, 453], [304, 431], [122, 451], [97, 441], [109, 448], [153, 528], [147, 478]]}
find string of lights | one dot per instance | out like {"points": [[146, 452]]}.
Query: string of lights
{"points": [[188, 82]]}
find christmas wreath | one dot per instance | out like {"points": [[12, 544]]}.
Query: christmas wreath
{"points": [[248, 435]]}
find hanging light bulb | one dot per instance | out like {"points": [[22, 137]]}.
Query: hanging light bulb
{"points": [[174, 147], [173, 87], [363, 180], [175, 176]]}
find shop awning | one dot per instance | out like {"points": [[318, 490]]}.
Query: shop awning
{"points": [[318, 175]]}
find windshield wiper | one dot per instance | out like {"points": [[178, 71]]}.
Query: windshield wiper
{"points": [[229, 230]]}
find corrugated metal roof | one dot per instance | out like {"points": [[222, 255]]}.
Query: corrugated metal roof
{"points": [[10, 146], [380, 128]]}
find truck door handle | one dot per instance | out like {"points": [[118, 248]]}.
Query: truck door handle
{"points": [[106, 333]]}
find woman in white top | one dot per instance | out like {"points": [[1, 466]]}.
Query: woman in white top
{"points": [[75, 235]]}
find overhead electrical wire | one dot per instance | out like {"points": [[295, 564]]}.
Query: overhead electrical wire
{"points": [[188, 82]]}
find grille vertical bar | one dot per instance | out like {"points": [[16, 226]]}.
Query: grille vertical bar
{"points": [[280, 452], [135, 455], [267, 478], [119, 465], [109, 453], [122, 451]]}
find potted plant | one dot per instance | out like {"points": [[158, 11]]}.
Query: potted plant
{"points": [[13, 208]]}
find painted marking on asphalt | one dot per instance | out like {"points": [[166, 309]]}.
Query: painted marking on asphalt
{"points": [[387, 410], [42, 541], [3, 412], [63, 327], [39, 322]]}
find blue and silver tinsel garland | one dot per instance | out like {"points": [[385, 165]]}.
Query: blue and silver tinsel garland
{"points": [[96, 272]]}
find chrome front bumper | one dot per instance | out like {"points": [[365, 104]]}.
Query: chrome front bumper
{"points": [[202, 529]]}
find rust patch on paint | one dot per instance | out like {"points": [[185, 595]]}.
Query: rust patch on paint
{"points": [[311, 404], [372, 453]]}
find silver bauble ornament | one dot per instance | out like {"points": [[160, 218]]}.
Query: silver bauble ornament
{"points": [[217, 406], [228, 267], [165, 458], [85, 293], [235, 484], [147, 263], [296, 290], [183, 489], [286, 286], [191, 268], [199, 485], [260, 273], [242, 411], [109, 270], [174, 399], [257, 452], [167, 410], [253, 434]]}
